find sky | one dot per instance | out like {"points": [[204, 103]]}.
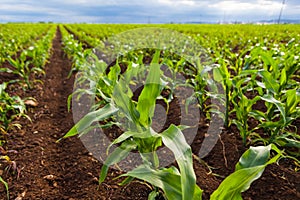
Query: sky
{"points": [[146, 11]]}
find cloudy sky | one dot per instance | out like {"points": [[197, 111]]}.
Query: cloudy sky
{"points": [[144, 11]]}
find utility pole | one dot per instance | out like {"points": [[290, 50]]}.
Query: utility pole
{"points": [[281, 10]]}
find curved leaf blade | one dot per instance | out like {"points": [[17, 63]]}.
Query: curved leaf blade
{"points": [[250, 168], [95, 116], [173, 138]]}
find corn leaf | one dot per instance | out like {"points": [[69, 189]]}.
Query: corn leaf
{"points": [[284, 141], [166, 179], [217, 75], [292, 101], [6, 70], [153, 195], [253, 157], [173, 139], [5, 185], [152, 89], [270, 83], [124, 103], [116, 156], [147, 99], [95, 116], [128, 134], [278, 104], [283, 77], [249, 168]]}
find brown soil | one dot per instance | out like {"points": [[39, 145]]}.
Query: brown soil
{"points": [[66, 170]]}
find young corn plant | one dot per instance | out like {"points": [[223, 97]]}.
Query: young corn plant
{"points": [[175, 183], [11, 108], [139, 136], [242, 105], [198, 79], [279, 90], [249, 168], [32, 60], [22, 68], [222, 75], [285, 111], [242, 108]]}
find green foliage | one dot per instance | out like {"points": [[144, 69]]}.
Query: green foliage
{"points": [[141, 137], [249, 168], [253, 72], [5, 185], [11, 108], [32, 60]]}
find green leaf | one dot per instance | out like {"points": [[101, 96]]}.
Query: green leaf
{"points": [[155, 59], [147, 98], [14, 63], [269, 98], [153, 195], [238, 182], [283, 77], [173, 139], [116, 156], [270, 124], [126, 181], [250, 168], [258, 115], [114, 73], [6, 186], [6, 70], [126, 135], [217, 75], [291, 101], [253, 157], [267, 58], [287, 142], [124, 102], [95, 116], [270, 82], [166, 179]]}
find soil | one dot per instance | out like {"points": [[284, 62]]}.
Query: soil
{"points": [[67, 171]]}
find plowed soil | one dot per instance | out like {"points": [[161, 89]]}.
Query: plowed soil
{"points": [[67, 171]]}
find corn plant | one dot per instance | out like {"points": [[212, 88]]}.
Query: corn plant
{"points": [[255, 64], [20, 38], [32, 60], [176, 184], [223, 76], [11, 108], [284, 113], [21, 68], [249, 168], [280, 93], [74, 49], [40, 52], [242, 105]]}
